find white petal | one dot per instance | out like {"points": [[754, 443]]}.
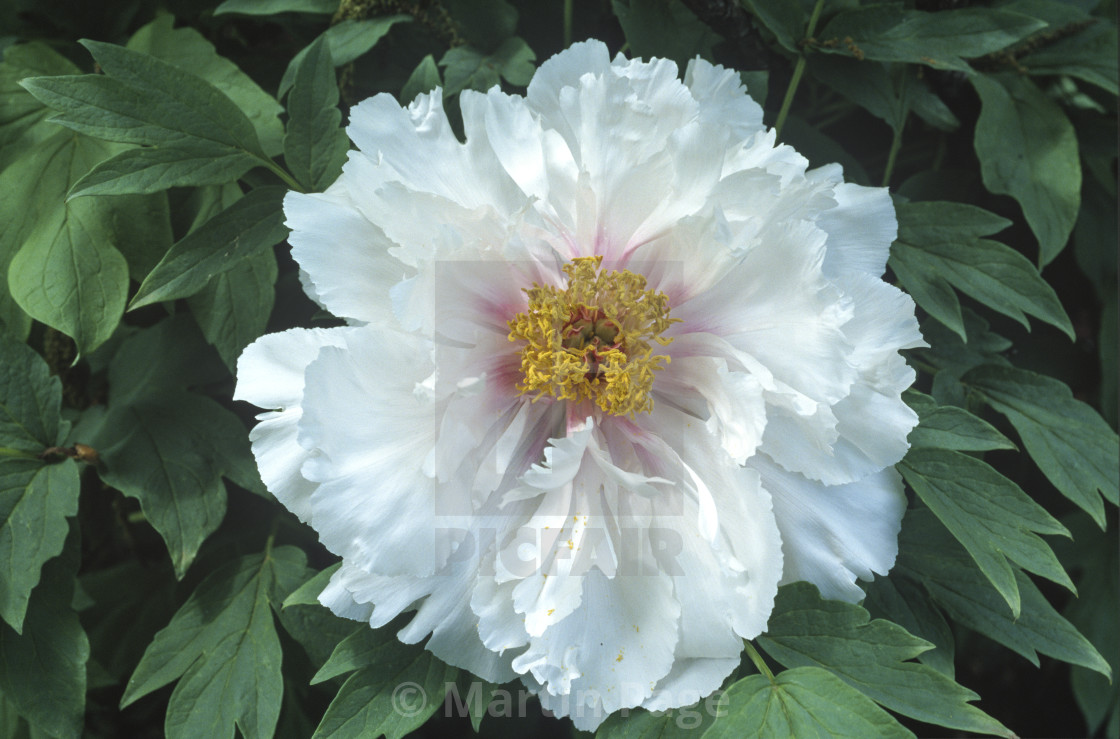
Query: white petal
{"points": [[833, 534], [723, 98], [860, 229], [270, 374]]}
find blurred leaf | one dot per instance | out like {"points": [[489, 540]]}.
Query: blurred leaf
{"points": [[820, 149], [678, 723], [468, 68], [871, 656], [868, 84], [889, 32], [233, 308], [424, 78], [223, 648], [901, 601], [252, 224], [928, 553], [140, 228], [272, 7], [1028, 150], [939, 248], [949, 427], [988, 514], [785, 19], [802, 702], [43, 671], [395, 689], [20, 112], [187, 49], [483, 23], [669, 30], [347, 41], [35, 497], [315, 144], [1067, 439]]}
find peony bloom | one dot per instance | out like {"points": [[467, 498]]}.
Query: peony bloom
{"points": [[615, 368]]}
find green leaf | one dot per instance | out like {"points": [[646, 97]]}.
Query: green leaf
{"points": [[43, 670], [30, 402], [252, 224], [1067, 439], [424, 78], [929, 555], [152, 169], [465, 67], [785, 19], [307, 594], [667, 30], [223, 648], [315, 145], [1028, 150], [141, 230], [679, 723], [187, 49], [347, 41], [802, 702], [484, 24], [899, 600], [395, 689], [954, 356], [949, 427], [988, 514], [938, 247], [806, 630], [233, 308], [1074, 44], [20, 113], [272, 7], [70, 277], [890, 33], [317, 630], [166, 447], [868, 84]]}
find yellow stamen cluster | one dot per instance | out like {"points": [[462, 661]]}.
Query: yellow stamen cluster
{"points": [[592, 340]]}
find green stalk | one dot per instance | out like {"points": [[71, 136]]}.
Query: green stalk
{"points": [[758, 661], [798, 71], [568, 23], [896, 144]]}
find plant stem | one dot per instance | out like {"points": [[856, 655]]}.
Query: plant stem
{"points": [[568, 23], [798, 71], [896, 144], [282, 174], [758, 661]]}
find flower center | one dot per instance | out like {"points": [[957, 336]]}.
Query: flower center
{"points": [[592, 340]]}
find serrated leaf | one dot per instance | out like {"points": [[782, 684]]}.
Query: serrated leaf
{"points": [[930, 555], [395, 689], [989, 515], [1067, 439], [806, 630], [187, 49], [43, 670], [223, 648], [347, 41], [665, 30], [272, 7], [315, 144], [889, 32], [253, 223], [465, 67], [233, 308], [950, 427], [70, 277], [1028, 150], [906, 604], [802, 702], [144, 100], [424, 78], [938, 246]]}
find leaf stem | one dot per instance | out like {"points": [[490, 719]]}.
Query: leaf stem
{"points": [[271, 537], [896, 144], [798, 71], [282, 174], [568, 23], [758, 661]]}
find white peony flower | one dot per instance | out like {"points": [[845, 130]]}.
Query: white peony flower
{"points": [[615, 368]]}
